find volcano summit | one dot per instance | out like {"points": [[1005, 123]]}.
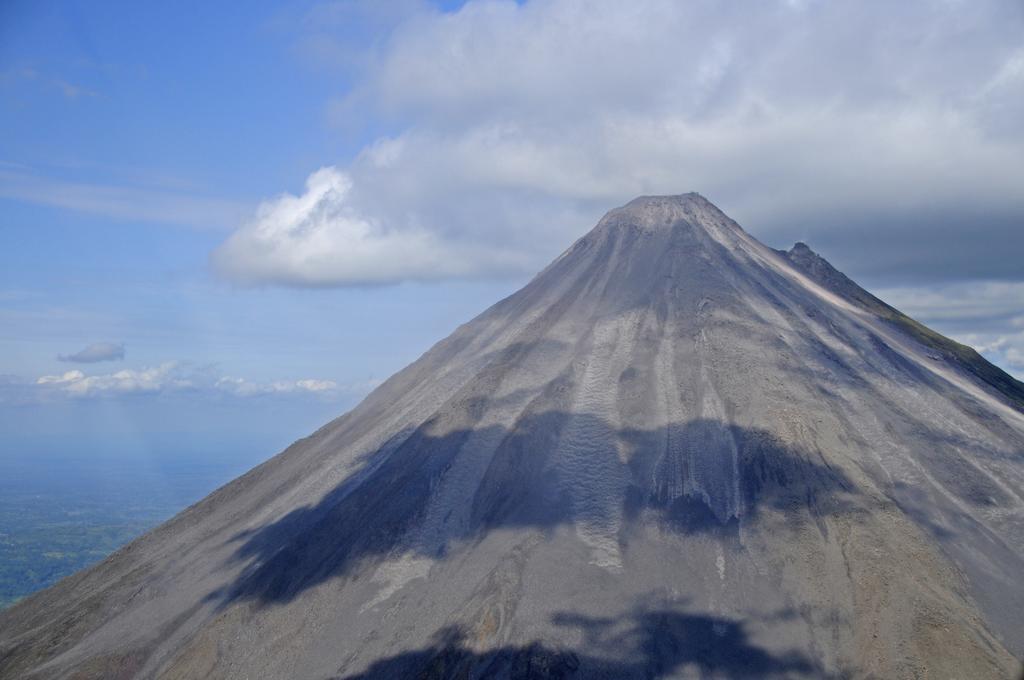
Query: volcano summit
{"points": [[674, 453]]}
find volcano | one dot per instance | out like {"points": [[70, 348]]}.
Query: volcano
{"points": [[676, 452]]}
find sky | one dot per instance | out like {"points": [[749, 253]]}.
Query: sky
{"points": [[221, 228]]}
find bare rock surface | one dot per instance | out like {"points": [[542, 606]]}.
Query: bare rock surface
{"points": [[675, 453]]}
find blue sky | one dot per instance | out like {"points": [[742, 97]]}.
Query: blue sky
{"points": [[271, 210], [138, 137]]}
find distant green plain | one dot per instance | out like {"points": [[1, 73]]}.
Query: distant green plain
{"points": [[62, 514]]}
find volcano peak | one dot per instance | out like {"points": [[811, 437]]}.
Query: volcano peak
{"points": [[675, 451], [689, 211]]}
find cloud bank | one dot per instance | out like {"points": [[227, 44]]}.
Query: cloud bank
{"points": [[100, 351], [171, 377], [889, 133], [244, 388]]}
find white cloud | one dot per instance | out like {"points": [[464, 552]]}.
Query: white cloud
{"points": [[171, 377], [244, 388], [313, 385], [160, 378], [63, 379], [99, 351], [514, 126], [320, 238]]}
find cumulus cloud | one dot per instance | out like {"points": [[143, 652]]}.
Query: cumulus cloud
{"points": [[167, 376], [320, 238], [99, 351], [890, 133]]}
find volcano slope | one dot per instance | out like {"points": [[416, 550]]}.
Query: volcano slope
{"points": [[675, 453]]}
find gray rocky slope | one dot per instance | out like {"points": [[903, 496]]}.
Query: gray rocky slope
{"points": [[675, 453]]}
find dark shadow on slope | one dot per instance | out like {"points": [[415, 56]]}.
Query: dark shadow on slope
{"points": [[647, 644], [528, 483]]}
